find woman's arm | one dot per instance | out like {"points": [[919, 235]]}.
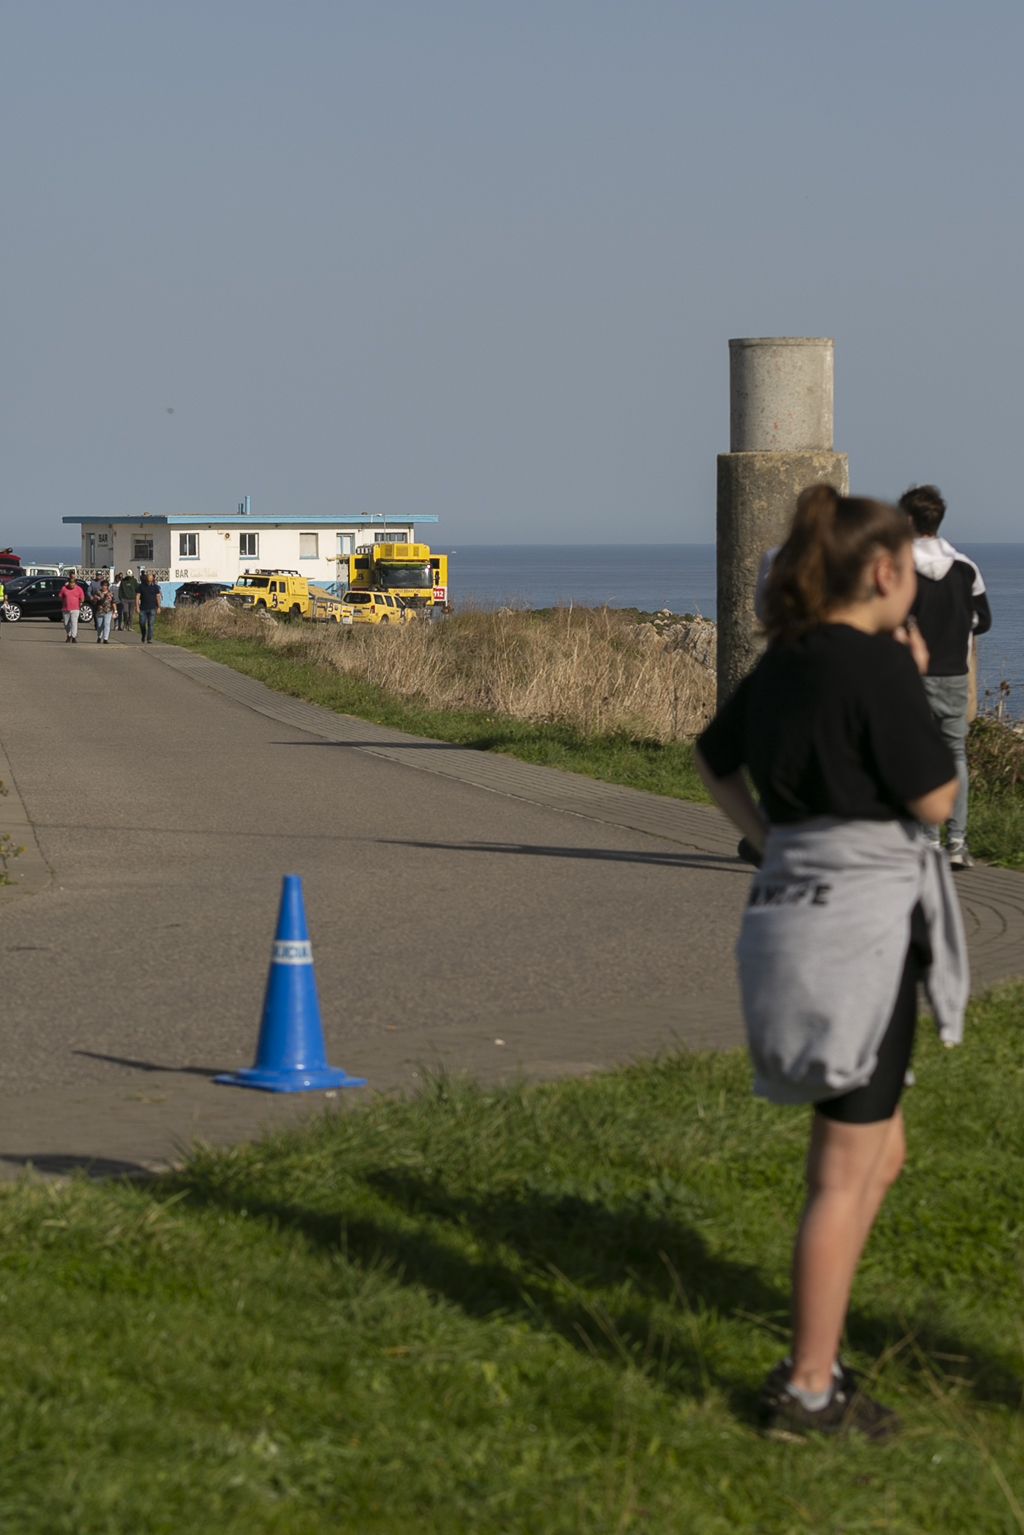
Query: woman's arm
{"points": [[733, 795], [935, 808]]}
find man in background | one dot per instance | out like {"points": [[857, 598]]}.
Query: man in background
{"points": [[148, 601], [950, 608], [127, 591]]}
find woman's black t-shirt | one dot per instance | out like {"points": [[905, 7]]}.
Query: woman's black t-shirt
{"points": [[834, 723]]}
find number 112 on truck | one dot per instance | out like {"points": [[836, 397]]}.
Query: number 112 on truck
{"points": [[409, 571]]}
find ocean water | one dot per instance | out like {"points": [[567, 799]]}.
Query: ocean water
{"points": [[681, 577]]}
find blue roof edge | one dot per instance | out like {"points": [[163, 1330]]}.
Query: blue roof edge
{"points": [[286, 519]]}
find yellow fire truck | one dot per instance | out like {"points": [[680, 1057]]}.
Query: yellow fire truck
{"points": [[408, 571]]}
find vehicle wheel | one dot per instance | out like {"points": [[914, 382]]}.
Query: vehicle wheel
{"points": [[85, 614], [295, 611], [12, 612], [260, 607]]}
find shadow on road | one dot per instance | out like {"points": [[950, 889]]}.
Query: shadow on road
{"points": [[728, 863], [181, 1071], [62, 1163], [410, 746]]}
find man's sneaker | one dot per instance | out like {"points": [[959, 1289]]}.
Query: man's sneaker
{"points": [[849, 1410], [959, 857]]}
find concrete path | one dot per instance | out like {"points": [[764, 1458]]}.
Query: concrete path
{"points": [[468, 912]]}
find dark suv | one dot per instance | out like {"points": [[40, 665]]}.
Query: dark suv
{"points": [[192, 594], [39, 597]]}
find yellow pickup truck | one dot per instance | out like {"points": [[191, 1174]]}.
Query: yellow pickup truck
{"points": [[283, 592]]}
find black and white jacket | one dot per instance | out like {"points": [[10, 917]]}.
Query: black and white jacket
{"points": [[951, 605]]}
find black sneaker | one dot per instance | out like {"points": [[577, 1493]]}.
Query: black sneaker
{"points": [[748, 852], [849, 1410]]}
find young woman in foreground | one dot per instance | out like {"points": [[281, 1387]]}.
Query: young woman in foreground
{"points": [[850, 906]]}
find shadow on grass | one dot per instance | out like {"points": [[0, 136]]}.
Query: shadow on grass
{"points": [[555, 1262]]}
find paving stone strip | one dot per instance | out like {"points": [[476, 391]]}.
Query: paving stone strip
{"points": [[992, 899]]}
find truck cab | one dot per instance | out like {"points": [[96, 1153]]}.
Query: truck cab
{"points": [[409, 571]]}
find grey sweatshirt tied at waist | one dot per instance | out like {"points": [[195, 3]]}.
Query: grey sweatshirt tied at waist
{"points": [[822, 948]]}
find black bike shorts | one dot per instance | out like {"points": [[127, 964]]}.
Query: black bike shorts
{"points": [[879, 1098]]}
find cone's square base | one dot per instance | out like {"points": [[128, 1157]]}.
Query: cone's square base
{"points": [[290, 1081]]}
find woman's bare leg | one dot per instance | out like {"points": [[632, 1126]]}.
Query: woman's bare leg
{"points": [[850, 1168]]}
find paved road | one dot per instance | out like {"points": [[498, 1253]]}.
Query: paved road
{"points": [[455, 901]]}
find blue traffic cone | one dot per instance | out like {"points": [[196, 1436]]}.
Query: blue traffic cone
{"points": [[291, 1057]]}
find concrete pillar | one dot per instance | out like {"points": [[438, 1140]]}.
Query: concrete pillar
{"points": [[780, 441]]}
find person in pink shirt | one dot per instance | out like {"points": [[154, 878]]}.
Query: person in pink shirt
{"points": [[71, 598]]}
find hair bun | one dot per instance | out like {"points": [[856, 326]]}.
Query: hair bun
{"points": [[817, 501]]}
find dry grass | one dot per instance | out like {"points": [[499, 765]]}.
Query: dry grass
{"points": [[592, 669]]}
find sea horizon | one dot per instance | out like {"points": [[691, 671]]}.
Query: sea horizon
{"points": [[679, 577]]}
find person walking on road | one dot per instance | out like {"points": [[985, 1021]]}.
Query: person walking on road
{"points": [[851, 905], [103, 608], [127, 590], [93, 592], [148, 601], [951, 608], [71, 598]]}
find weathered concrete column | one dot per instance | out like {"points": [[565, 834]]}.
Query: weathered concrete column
{"points": [[780, 441]]}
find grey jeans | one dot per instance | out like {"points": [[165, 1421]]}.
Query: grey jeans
{"points": [[948, 699]]}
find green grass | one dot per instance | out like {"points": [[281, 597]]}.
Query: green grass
{"points": [[542, 1310], [661, 769], [996, 825], [996, 807]]}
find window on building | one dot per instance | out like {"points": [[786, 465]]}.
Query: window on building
{"points": [[249, 546], [142, 549], [345, 543], [308, 546], [188, 546]]}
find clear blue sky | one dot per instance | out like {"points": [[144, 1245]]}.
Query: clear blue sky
{"points": [[483, 259]]}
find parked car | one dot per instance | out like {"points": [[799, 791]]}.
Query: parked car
{"points": [[192, 594], [39, 597], [362, 607]]}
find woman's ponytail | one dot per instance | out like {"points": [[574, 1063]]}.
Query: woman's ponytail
{"points": [[821, 564]]}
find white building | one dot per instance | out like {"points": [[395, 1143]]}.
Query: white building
{"points": [[179, 549]]}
